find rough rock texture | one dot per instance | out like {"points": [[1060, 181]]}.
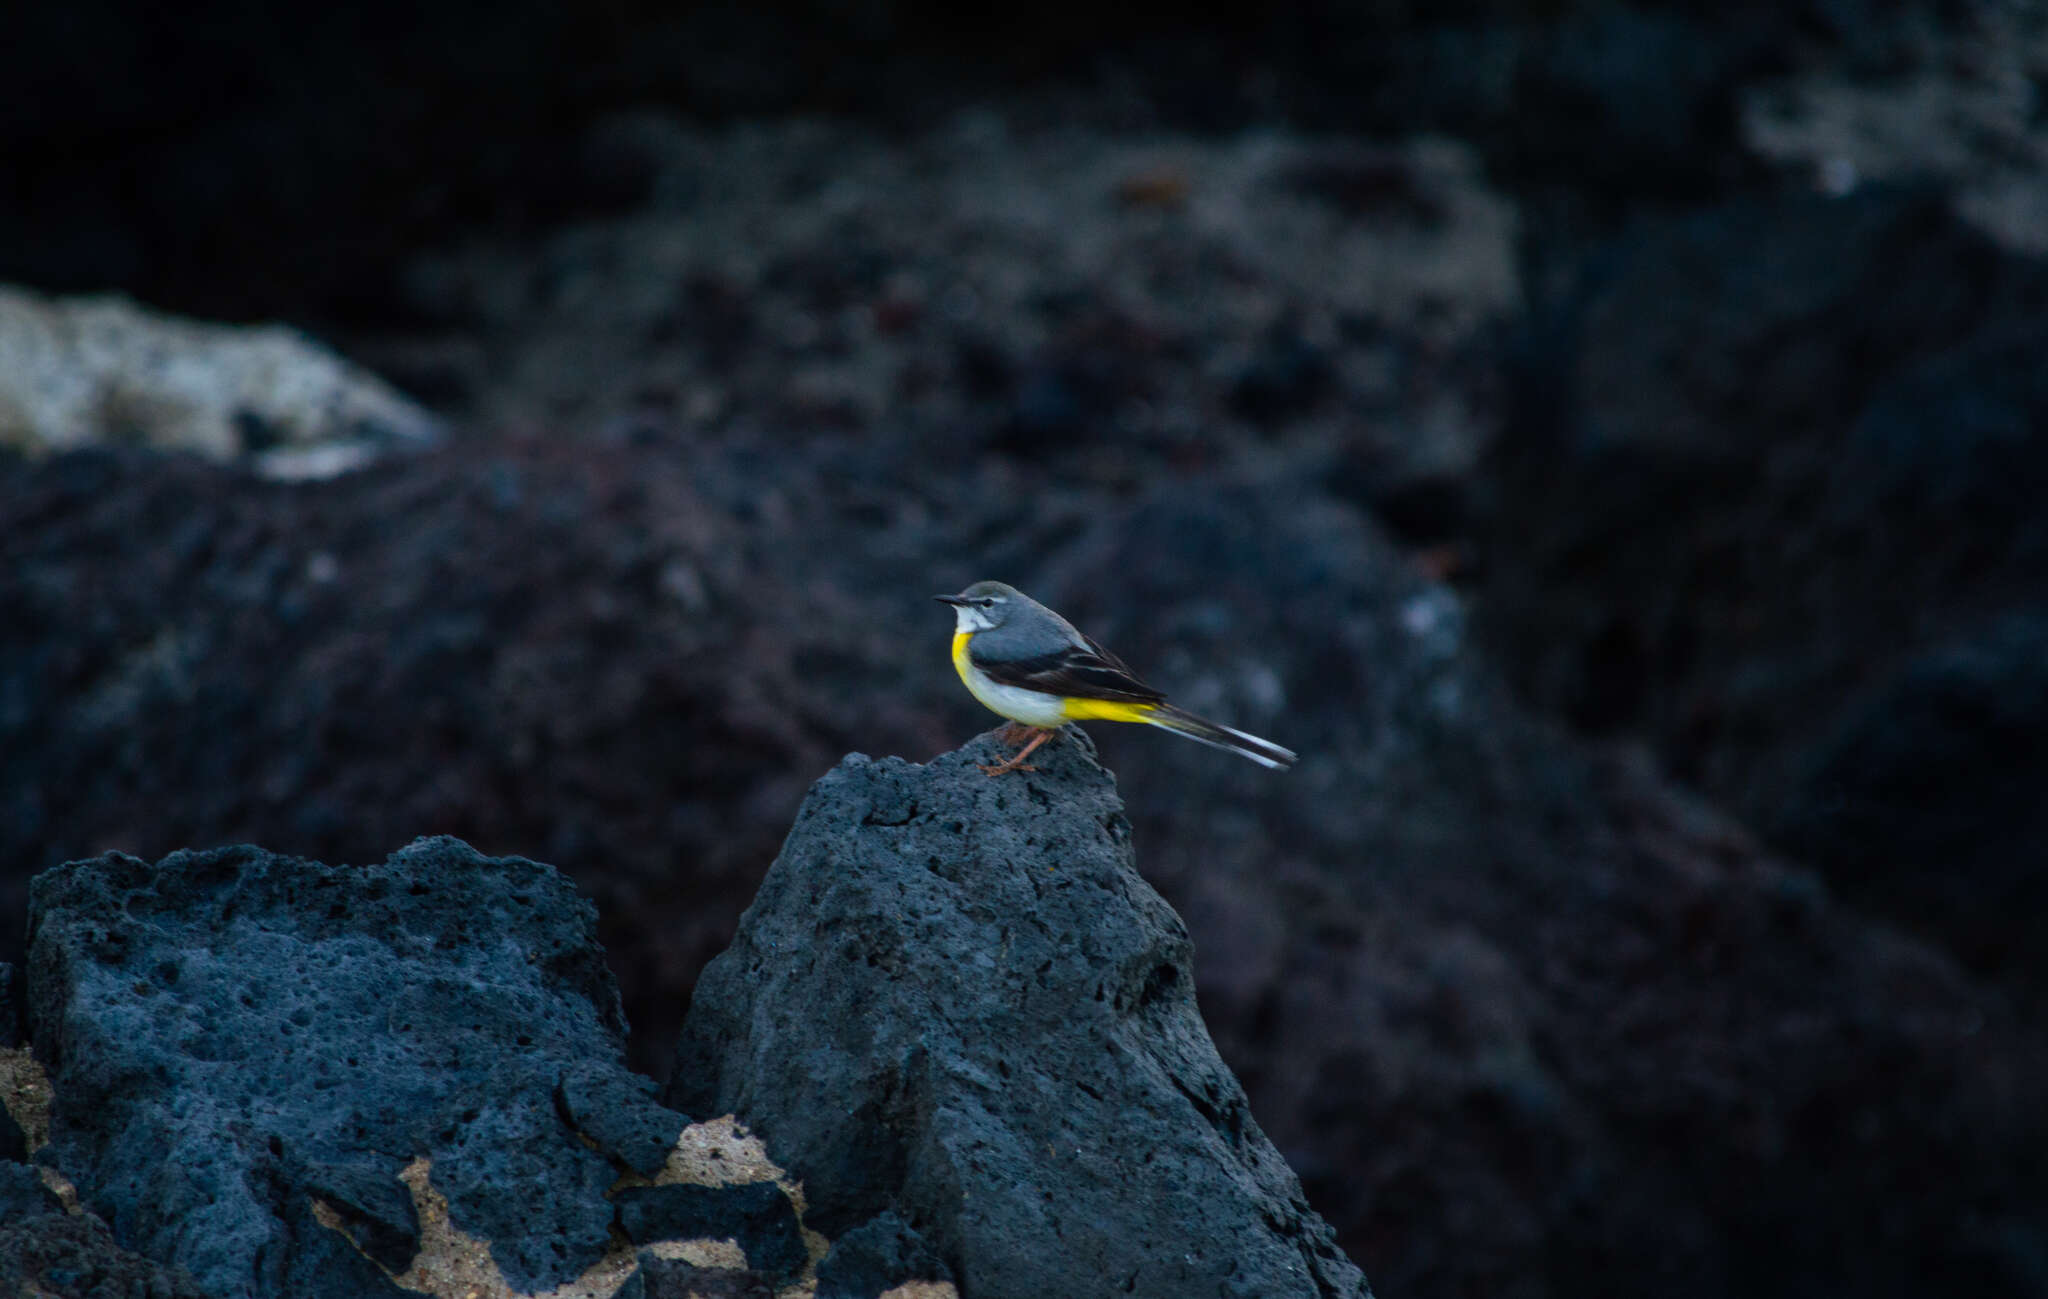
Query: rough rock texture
{"points": [[232, 1034], [617, 1113], [667, 1278], [75, 372], [956, 996], [24, 1104], [58, 1257], [22, 1192], [1774, 506], [756, 1215], [877, 1256], [13, 1141]]}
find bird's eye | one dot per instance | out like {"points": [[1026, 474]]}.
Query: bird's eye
{"points": [[985, 601]]}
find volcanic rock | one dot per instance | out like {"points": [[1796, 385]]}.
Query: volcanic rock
{"points": [[22, 1192], [668, 1278], [236, 1037], [52, 1256], [755, 1215], [878, 1256], [955, 996], [617, 1113]]}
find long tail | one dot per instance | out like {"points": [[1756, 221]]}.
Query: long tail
{"points": [[1182, 722]]}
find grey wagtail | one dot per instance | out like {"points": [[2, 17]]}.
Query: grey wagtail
{"points": [[1024, 661]]}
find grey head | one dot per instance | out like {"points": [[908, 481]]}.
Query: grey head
{"points": [[986, 606], [1009, 624]]}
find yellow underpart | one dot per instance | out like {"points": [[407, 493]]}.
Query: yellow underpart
{"points": [[1105, 710], [1071, 709]]}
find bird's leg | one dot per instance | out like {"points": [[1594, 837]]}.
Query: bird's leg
{"points": [[1016, 763], [1013, 732]]}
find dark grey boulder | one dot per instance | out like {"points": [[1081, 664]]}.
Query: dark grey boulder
{"points": [[956, 997], [877, 1256], [22, 1193], [375, 1209], [52, 1256], [755, 1215], [618, 1113], [232, 1034], [669, 1278]]}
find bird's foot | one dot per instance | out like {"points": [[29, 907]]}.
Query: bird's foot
{"points": [[1001, 768], [1017, 763]]}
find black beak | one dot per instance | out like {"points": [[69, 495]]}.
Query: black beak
{"points": [[950, 599]]}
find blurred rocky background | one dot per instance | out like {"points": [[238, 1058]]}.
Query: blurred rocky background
{"points": [[1608, 441]]}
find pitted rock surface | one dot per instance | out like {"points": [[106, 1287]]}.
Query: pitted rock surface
{"points": [[232, 1034], [956, 996]]}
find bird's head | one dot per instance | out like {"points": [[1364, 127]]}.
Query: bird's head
{"points": [[983, 606]]}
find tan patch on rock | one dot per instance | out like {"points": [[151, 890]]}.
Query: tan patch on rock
{"points": [[61, 1187], [702, 1253], [25, 1092], [452, 1264], [719, 1152], [922, 1290]]}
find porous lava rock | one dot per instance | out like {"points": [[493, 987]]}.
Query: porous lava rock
{"points": [[233, 1036], [876, 1257], [54, 1256], [756, 1216], [671, 1278], [955, 996], [22, 1192]]}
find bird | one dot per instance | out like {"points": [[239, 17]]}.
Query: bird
{"points": [[1026, 663]]}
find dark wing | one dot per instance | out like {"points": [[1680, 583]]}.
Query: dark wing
{"points": [[1074, 672]]}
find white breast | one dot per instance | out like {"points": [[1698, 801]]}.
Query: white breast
{"points": [[1030, 707]]}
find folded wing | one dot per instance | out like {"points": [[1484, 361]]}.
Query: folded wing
{"points": [[1074, 672]]}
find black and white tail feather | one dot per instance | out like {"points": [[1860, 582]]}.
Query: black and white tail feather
{"points": [[1203, 731]]}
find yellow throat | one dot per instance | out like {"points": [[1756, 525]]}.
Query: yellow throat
{"points": [[960, 639]]}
